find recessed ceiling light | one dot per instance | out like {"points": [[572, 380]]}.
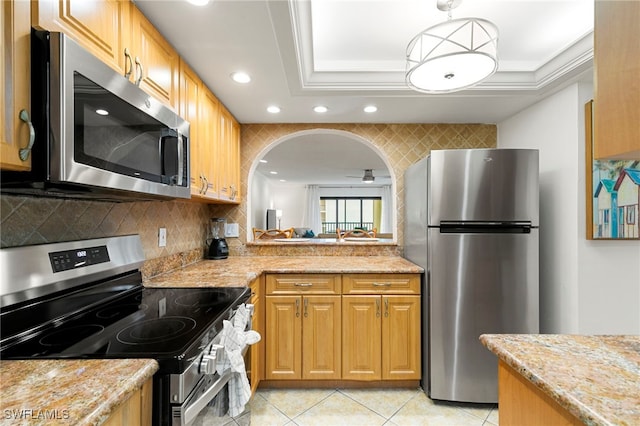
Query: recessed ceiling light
{"points": [[241, 77], [199, 2], [320, 109], [102, 112], [273, 109], [273, 172], [263, 161], [370, 108], [283, 180]]}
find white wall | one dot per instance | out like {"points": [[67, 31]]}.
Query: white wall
{"points": [[586, 287], [291, 199]]}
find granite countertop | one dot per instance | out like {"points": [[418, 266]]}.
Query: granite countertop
{"points": [[68, 392], [595, 378], [241, 270]]}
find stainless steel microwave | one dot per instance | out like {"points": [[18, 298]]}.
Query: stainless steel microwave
{"points": [[98, 135]]}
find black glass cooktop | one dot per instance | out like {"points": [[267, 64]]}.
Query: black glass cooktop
{"points": [[119, 319]]}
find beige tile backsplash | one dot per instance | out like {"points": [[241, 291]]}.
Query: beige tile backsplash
{"points": [[26, 220]]}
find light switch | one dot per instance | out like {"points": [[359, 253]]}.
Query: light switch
{"points": [[162, 237], [231, 230]]}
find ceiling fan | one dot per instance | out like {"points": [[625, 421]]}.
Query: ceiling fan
{"points": [[368, 176]]}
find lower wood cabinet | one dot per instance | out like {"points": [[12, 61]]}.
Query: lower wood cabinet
{"points": [[315, 332], [254, 359], [523, 404], [381, 337], [301, 340], [136, 410]]}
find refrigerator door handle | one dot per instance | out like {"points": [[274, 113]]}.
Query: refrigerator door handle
{"points": [[477, 227]]}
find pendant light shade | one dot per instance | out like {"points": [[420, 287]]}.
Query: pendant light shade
{"points": [[452, 56]]}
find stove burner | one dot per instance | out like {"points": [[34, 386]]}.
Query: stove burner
{"points": [[197, 299], [155, 330], [120, 310], [69, 335]]}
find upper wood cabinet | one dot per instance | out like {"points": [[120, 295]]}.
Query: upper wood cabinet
{"points": [[616, 81], [207, 147], [229, 168], [101, 26], [120, 35], [156, 63], [15, 69], [191, 107]]}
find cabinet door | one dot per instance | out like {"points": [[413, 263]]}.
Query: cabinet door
{"points": [[401, 338], [361, 337], [157, 61], [283, 338], [101, 26], [617, 91], [190, 87], [206, 150], [15, 69], [136, 410], [256, 351], [234, 173], [224, 141], [321, 343]]}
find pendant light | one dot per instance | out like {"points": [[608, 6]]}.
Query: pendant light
{"points": [[452, 55]]}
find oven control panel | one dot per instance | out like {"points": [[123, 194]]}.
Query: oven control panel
{"points": [[78, 258]]}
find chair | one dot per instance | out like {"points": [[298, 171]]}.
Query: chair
{"points": [[270, 234], [356, 233]]}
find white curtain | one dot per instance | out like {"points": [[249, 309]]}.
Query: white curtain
{"points": [[312, 209], [387, 210]]}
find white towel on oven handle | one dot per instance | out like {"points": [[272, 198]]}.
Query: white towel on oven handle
{"points": [[234, 340]]}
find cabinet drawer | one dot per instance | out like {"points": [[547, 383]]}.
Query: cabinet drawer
{"points": [[303, 283], [381, 283]]}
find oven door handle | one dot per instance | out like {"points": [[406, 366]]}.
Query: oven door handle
{"points": [[191, 408], [189, 413]]}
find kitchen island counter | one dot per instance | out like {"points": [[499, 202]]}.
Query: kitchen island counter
{"points": [[69, 392], [241, 270], [594, 378]]}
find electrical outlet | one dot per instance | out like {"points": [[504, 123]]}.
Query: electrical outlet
{"points": [[162, 237]]}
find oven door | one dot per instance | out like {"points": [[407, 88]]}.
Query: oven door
{"points": [[189, 393]]}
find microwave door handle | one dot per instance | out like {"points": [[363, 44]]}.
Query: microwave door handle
{"points": [[181, 154]]}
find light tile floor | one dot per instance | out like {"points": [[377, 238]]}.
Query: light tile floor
{"points": [[350, 407]]}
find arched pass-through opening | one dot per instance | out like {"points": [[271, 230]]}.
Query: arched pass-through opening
{"points": [[326, 157]]}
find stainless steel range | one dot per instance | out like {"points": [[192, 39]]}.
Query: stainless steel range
{"points": [[85, 299]]}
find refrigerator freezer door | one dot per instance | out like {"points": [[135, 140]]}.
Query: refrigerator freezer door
{"points": [[483, 185], [478, 283]]}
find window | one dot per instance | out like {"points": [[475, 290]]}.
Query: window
{"points": [[631, 214], [347, 213]]}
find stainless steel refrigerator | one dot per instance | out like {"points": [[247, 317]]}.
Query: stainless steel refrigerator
{"points": [[472, 223]]}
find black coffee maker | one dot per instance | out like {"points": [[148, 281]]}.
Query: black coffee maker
{"points": [[218, 248]]}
